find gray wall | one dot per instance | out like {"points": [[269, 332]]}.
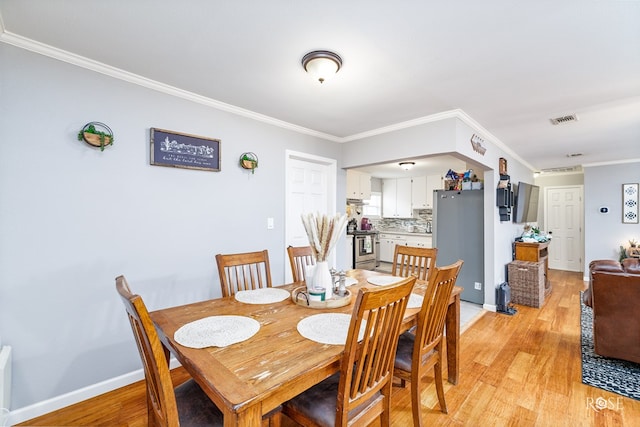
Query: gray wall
{"points": [[72, 218], [605, 233]]}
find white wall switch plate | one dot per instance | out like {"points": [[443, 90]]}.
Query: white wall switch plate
{"points": [[269, 223], [478, 286]]}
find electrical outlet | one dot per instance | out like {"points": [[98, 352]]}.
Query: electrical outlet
{"points": [[478, 286], [269, 223]]}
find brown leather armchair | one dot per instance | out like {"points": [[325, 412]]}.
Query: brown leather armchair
{"points": [[614, 295]]}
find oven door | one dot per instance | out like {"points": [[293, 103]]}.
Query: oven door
{"points": [[366, 246]]}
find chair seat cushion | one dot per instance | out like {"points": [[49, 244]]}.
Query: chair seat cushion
{"points": [[194, 406], [320, 402], [405, 351]]}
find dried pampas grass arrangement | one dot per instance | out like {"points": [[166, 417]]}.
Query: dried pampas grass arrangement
{"points": [[323, 232]]}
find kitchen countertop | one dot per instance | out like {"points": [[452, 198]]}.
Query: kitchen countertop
{"points": [[406, 233]]}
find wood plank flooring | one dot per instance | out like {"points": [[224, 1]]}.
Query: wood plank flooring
{"points": [[522, 370]]}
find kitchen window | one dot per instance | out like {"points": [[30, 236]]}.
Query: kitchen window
{"points": [[374, 206]]}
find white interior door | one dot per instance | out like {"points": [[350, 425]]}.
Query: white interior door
{"points": [[311, 187], [563, 217]]}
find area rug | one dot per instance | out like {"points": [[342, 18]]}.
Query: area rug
{"points": [[617, 376]]}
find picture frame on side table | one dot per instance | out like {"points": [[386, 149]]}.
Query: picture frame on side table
{"points": [[630, 203], [181, 150]]}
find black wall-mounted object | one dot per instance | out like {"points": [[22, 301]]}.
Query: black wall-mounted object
{"points": [[504, 198]]}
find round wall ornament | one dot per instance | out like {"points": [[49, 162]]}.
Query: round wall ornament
{"points": [[96, 134], [249, 160]]}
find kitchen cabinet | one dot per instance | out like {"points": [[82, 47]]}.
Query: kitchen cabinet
{"points": [[420, 241], [358, 185], [388, 244], [396, 198], [419, 192], [422, 188], [434, 182]]}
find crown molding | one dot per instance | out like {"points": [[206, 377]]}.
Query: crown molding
{"points": [[99, 67], [613, 162]]}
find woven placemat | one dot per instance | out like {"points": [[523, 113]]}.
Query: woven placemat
{"points": [[262, 296], [216, 331], [384, 280], [328, 328], [415, 301]]}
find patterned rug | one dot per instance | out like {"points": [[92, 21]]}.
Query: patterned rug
{"points": [[617, 376]]}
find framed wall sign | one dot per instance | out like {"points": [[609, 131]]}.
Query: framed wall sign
{"points": [[630, 203], [181, 150]]}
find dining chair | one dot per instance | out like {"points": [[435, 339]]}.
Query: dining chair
{"points": [[185, 405], [243, 271], [300, 257], [361, 391], [413, 261], [420, 351]]}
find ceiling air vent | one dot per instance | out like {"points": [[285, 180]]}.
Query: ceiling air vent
{"points": [[563, 169], [564, 119]]}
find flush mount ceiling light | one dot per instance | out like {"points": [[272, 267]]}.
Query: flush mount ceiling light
{"points": [[406, 165], [321, 64]]}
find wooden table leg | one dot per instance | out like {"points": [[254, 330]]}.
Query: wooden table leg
{"points": [[452, 326], [250, 417]]}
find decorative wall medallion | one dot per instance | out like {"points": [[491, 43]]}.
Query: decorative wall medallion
{"points": [[630, 203], [476, 144]]}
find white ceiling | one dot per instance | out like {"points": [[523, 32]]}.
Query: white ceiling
{"points": [[510, 66]]}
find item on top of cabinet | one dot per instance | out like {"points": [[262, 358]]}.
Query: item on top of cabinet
{"points": [[249, 160], [96, 134]]}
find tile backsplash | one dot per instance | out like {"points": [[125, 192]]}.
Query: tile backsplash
{"points": [[417, 223]]}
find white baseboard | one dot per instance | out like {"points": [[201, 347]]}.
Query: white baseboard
{"points": [[40, 408]]}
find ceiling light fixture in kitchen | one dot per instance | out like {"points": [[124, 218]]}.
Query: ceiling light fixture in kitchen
{"points": [[407, 165], [321, 64]]}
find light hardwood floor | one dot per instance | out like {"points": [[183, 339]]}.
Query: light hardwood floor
{"points": [[521, 370]]}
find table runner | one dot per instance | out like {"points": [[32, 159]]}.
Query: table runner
{"points": [[216, 331]]}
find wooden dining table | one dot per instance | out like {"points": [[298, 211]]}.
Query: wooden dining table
{"points": [[249, 379]]}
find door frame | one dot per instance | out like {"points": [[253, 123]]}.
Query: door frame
{"points": [[331, 188]]}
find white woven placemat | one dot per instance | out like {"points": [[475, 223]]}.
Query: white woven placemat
{"points": [[328, 328], [216, 331], [349, 281], [384, 280], [415, 301], [262, 296]]}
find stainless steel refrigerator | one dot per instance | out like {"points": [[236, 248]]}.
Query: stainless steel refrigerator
{"points": [[458, 233]]}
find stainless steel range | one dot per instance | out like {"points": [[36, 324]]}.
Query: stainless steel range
{"points": [[364, 249]]}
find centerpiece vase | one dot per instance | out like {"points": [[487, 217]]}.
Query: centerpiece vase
{"points": [[322, 278]]}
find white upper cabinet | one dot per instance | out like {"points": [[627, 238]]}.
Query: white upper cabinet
{"points": [[396, 198], [419, 192], [358, 185], [434, 182]]}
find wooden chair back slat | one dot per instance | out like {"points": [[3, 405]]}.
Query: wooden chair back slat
{"points": [[300, 257], [243, 271], [413, 261]]}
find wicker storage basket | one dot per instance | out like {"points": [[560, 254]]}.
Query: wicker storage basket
{"points": [[527, 282]]}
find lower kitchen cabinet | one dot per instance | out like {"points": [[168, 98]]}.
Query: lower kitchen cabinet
{"points": [[420, 241], [388, 244]]}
